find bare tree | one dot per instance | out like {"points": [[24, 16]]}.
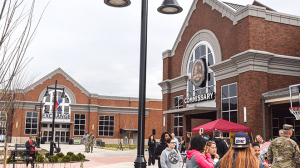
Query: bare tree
{"points": [[17, 32]]}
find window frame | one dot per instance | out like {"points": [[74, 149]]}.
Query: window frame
{"points": [[79, 124], [37, 123], [177, 105], [63, 104], [109, 121], [178, 126], [209, 71], [228, 98]]}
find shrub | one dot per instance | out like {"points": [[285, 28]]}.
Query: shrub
{"points": [[66, 158], [60, 155], [40, 158], [47, 155], [81, 156], [53, 159], [74, 158], [39, 154], [70, 153], [9, 159]]}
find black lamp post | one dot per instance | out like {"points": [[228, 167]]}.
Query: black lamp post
{"points": [[40, 118], [53, 113], [167, 7]]}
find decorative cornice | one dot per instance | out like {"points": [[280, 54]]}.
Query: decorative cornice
{"points": [[253, 60], [236, 16], [50, 75], [174, 85], [104, 97], [120, 110], [84, 107], [23, 104], [278, 93], [166, 54]]}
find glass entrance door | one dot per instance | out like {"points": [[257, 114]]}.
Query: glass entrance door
{"points": [[62, 136]]}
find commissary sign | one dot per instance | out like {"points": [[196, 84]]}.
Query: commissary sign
{"points": [[200, 98]]}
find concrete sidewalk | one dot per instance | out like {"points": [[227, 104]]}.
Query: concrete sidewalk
{"points": [[100, 158]]}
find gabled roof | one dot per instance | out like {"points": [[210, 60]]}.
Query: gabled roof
{"points": [[235, 13], [262, 5], [50, 75], [236, 7]]}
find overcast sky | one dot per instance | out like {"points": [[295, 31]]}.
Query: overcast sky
{"points": [[98, 45]]}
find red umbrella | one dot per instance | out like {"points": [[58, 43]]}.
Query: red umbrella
{"points": [[221, 125]]}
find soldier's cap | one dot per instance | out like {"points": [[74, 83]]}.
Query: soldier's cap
{"points": [[288, 127], [240, 140]]}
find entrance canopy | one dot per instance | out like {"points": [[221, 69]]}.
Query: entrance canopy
{"points": [[221, 125]]}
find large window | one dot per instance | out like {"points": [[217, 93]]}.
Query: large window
{"points": [[178, 125], [79, 125], [178, 102], [229, 102], [64, 104], [202, 51], [3, 118], [106, 125], [31, 122]]}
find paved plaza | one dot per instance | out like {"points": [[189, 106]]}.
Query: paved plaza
{"points": [[100, 158]]}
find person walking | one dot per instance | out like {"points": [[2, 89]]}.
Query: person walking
{"points": [[86, 142], [195, 158], [222, 147], [163, 144], [30, 151], [284, 152], [170, 157], [176, 140], [91, 143], [240, 154], [151, 149], [213, 151]]}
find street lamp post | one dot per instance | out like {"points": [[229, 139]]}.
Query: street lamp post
{"points": [[167, 7], [53, 113], [40, 118]]}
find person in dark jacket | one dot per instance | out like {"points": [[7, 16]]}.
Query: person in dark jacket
{"points": [[151, 149], [222, 147], [163, 144], [30, 151]]}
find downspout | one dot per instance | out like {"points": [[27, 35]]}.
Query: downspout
{"points": [[264, 118]]}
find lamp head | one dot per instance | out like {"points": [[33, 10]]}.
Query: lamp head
{"points": [[117, 3], [35, 109], [47, 94], [63, 95], [170, 7]]}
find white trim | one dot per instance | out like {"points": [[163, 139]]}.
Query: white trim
{"points": [[235, 16], [50, 75]]}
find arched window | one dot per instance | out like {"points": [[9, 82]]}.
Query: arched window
{"points": [[64, 104], [202, 50]]}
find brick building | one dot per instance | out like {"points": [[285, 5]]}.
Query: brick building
{"points": [[110, 118], [233, 62]]}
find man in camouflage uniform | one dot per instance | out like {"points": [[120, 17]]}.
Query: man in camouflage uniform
{"points": [[284, 152], [91, 142]]}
